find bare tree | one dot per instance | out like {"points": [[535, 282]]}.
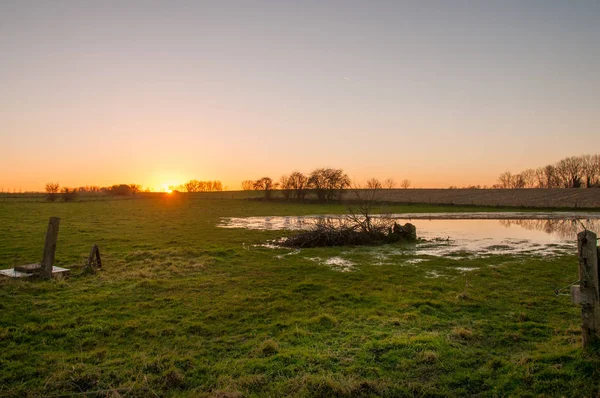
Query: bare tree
{"points": [[217, 186], [540, 177], [505, 180], [551, 177], [135, 188], [247, 185], [569, 171], [265, 184], [285, 186], [373, 183], [517, 181], [51, 191], [298, 182], [528, 177], [328, 183], [192, 186], [596, 167], [364, 200], [389, 183], [405, 184], [590, 168], [203, 186]]}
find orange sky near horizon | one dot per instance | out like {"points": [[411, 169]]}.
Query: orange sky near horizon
{"points": [[158, 93]]}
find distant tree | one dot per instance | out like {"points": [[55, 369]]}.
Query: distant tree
{"points": [[373, 183], [540, 177], [285, 186], [596, 167], [590, 169], [389, 183], [135, 188], [248, 185], [569, 170], [200, 186], [514, 181], [51, 191], [217, 186], [120, 190], [192, 186], [517, 181], [88, 188], [547, 177], [69, 194], [528, 177], [298, 182], [405, 184], [328, 182], [265, 184], [505, 180]]}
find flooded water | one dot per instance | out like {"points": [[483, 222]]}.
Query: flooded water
{"points": [[465, 234]]}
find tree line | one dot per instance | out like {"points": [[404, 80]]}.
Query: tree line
{"points": [[326, 183], [570, 172], [54, 191], [198, 186]]}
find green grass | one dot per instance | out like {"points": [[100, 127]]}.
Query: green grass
{"points": [[182, 308]]}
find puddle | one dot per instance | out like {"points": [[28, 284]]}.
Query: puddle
{"points": [[293, 253], [295, 223], [414, 260], [463, 235], [466, 269], [432, 274], [335, 263]]}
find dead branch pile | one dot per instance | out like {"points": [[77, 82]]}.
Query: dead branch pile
{"points": [[351, 233]]}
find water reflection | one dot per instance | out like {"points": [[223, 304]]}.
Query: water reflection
{"points": [[566, 229], [454, 234]]}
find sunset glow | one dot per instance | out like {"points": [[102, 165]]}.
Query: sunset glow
{"points": [[398, 90]]}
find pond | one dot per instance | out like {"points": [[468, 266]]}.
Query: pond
{"points": [[456, 234]]}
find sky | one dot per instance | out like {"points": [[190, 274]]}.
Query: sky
{"points": [[160, 92]]}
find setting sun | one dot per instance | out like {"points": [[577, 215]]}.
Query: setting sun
{"points": [[167, 189]]}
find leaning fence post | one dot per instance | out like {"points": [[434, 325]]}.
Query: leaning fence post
{"points": [[587, 293], [50, 248]]}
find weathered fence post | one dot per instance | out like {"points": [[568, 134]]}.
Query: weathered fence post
{"points": [[587, 293], [94, 259], [50, 248]]}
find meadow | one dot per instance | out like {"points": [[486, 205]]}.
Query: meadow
{"points": [[184, 308]]}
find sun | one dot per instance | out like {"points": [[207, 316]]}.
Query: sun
{"points": [[167, 189]]}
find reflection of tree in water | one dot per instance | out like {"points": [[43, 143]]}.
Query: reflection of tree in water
{"points": [[566, 229]]}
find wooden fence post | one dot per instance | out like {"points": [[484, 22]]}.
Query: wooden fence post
{"points": [[50, 248], [587, 293]]}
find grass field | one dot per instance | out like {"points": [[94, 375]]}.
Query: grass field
{"points": [[183, 308]]}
